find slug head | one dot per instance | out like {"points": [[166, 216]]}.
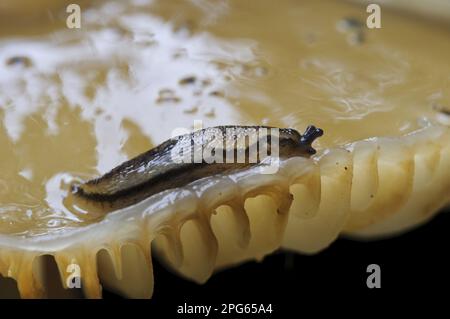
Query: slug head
{"points": [[292, 143], [310, 135]]}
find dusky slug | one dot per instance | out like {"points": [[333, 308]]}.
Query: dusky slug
{"points": [[181, 160]]}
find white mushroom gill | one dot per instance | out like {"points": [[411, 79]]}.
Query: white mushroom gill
{"points": [[75, 103]]}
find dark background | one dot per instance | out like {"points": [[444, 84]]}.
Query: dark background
{"points": [[413, 265]]}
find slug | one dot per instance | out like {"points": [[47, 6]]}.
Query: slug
{"points": [[181, 160]]}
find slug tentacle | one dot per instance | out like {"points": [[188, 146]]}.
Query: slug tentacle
{"points": [[310, 135]]}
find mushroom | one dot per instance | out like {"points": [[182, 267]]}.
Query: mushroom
{"points": [[88, 102]]}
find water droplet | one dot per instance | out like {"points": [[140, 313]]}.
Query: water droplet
{"points": [[191, 110], [217, 94], [21, 61], [167, 96], [188, 80], [349, 24]]}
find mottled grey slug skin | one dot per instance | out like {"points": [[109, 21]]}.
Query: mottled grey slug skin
{"points": [[158, 169]]}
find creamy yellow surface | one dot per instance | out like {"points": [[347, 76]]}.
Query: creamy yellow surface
{"points": [[75, 103]]}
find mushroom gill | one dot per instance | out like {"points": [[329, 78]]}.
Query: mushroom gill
{"points": [[76, 103]]}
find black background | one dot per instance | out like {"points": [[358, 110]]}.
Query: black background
{"points": [[413, 265]]}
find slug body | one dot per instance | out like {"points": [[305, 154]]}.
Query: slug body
{"points": [[190, 157]]}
